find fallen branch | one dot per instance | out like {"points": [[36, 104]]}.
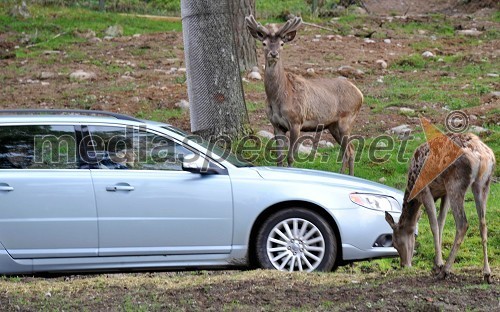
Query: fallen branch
{"points": [[317, 26], [56, 36]]}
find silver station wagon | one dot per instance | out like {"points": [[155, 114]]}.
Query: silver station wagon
{"points": [[98, 191]]}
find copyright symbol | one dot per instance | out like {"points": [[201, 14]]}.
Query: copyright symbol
{"points": [[457, 122]]}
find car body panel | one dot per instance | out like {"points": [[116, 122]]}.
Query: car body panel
{"points": [[61, 221], [168, 212]]}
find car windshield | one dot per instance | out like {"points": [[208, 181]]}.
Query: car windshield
{"points": [[217, 152]]}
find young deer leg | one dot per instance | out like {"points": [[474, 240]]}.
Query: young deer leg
{"points": [[481, 197], [430, 208], [280, 138], [443, 211], [457, 206], [292, 151]]}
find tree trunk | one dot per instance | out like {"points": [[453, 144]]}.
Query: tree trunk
{"points": [[102, 5], [245, 43], [217, 103]]}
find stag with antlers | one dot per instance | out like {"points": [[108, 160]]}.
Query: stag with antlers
{"points": [[296, 104]]}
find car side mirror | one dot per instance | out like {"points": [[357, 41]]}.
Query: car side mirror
{"points": [[196, 164]]}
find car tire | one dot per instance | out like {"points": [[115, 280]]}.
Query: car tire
{"points": [[296, 239]]}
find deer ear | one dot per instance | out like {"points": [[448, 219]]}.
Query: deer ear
{"points": [[289, 36], [390, 220]]}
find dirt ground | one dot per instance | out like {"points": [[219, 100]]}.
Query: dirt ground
{"points": [[133, 75]]}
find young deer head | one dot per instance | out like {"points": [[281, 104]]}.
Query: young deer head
{"points": [[272, 37], [403, 237]]}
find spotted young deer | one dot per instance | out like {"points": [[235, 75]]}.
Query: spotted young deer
{"points": [[472, 166], [296, 104]]}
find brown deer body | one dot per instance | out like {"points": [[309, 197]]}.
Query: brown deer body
{"points": [[296, 104], [473, 168]]}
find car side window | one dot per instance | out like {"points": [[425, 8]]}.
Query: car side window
{"points": [[134, 148], [38, 147]]}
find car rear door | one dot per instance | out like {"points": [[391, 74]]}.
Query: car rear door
{"points": [[47, 205], [147, 205]]}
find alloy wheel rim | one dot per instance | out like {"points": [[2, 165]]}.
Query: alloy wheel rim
{"points": [[295, 244]]}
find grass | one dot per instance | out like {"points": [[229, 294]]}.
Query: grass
{"points": [[53, 29]]}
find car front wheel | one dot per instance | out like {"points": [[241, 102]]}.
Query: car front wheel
{"points": [[296, 239]]}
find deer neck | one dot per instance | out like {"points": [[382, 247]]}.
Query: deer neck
{"points": [[410, 214], [275, 82]]}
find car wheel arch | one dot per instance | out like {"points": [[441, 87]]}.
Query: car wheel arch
{"points": [[252, 255]]}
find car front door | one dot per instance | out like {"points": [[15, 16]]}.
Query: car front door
{"points": [[147, 205], [47, 204]]}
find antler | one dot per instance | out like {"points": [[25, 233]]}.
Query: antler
{"points": [[256, 28], [291, 25]]}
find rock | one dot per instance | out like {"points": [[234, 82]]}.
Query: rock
{"points": [[46, 75], [472, 117], [427, 54], [20, 11], [254, 74], [478, 130], [495, 94], [114, 31], [381, 144], [182, 70], [492, 75], [265, 134], [88, 34], [136, 35], [317, 36], [303, 149], [382, 180], [359, 11], [315, 40], [380, 79], [171, 71], [388, 41], [350, 72], [381, 63], [402, 129], [51, 52], [182, 104], [368, 40], [171, 61], [406, 111], [95, 40], [325, 144], [310, 71], [470, 32], [81, 75]]}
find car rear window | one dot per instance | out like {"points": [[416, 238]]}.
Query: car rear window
{"points": [[38, 147]]}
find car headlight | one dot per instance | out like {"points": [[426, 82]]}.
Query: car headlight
{"points": [[375, 202]]}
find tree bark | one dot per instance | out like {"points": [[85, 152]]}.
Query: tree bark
{"points": [[102, 5], [217, 103], [245, 44]]}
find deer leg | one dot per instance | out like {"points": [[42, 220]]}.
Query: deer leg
{"points": [[457, 206], [430, 208], [443, 210], [292, 151], [481, 197], [280, 138]]}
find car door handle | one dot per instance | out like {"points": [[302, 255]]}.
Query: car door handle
{"points": [[117, 188], [6, 188]]}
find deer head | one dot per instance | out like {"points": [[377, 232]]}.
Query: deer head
{"points": [[272, 37], [403, 237]]}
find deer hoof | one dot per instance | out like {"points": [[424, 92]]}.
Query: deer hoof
{"points": [[442, 275], [488, 279], [437, 269]]}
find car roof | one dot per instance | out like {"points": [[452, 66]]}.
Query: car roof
{"points": [[71, 116]]}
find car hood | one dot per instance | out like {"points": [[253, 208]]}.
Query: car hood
{"points": [[322, 177]]}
